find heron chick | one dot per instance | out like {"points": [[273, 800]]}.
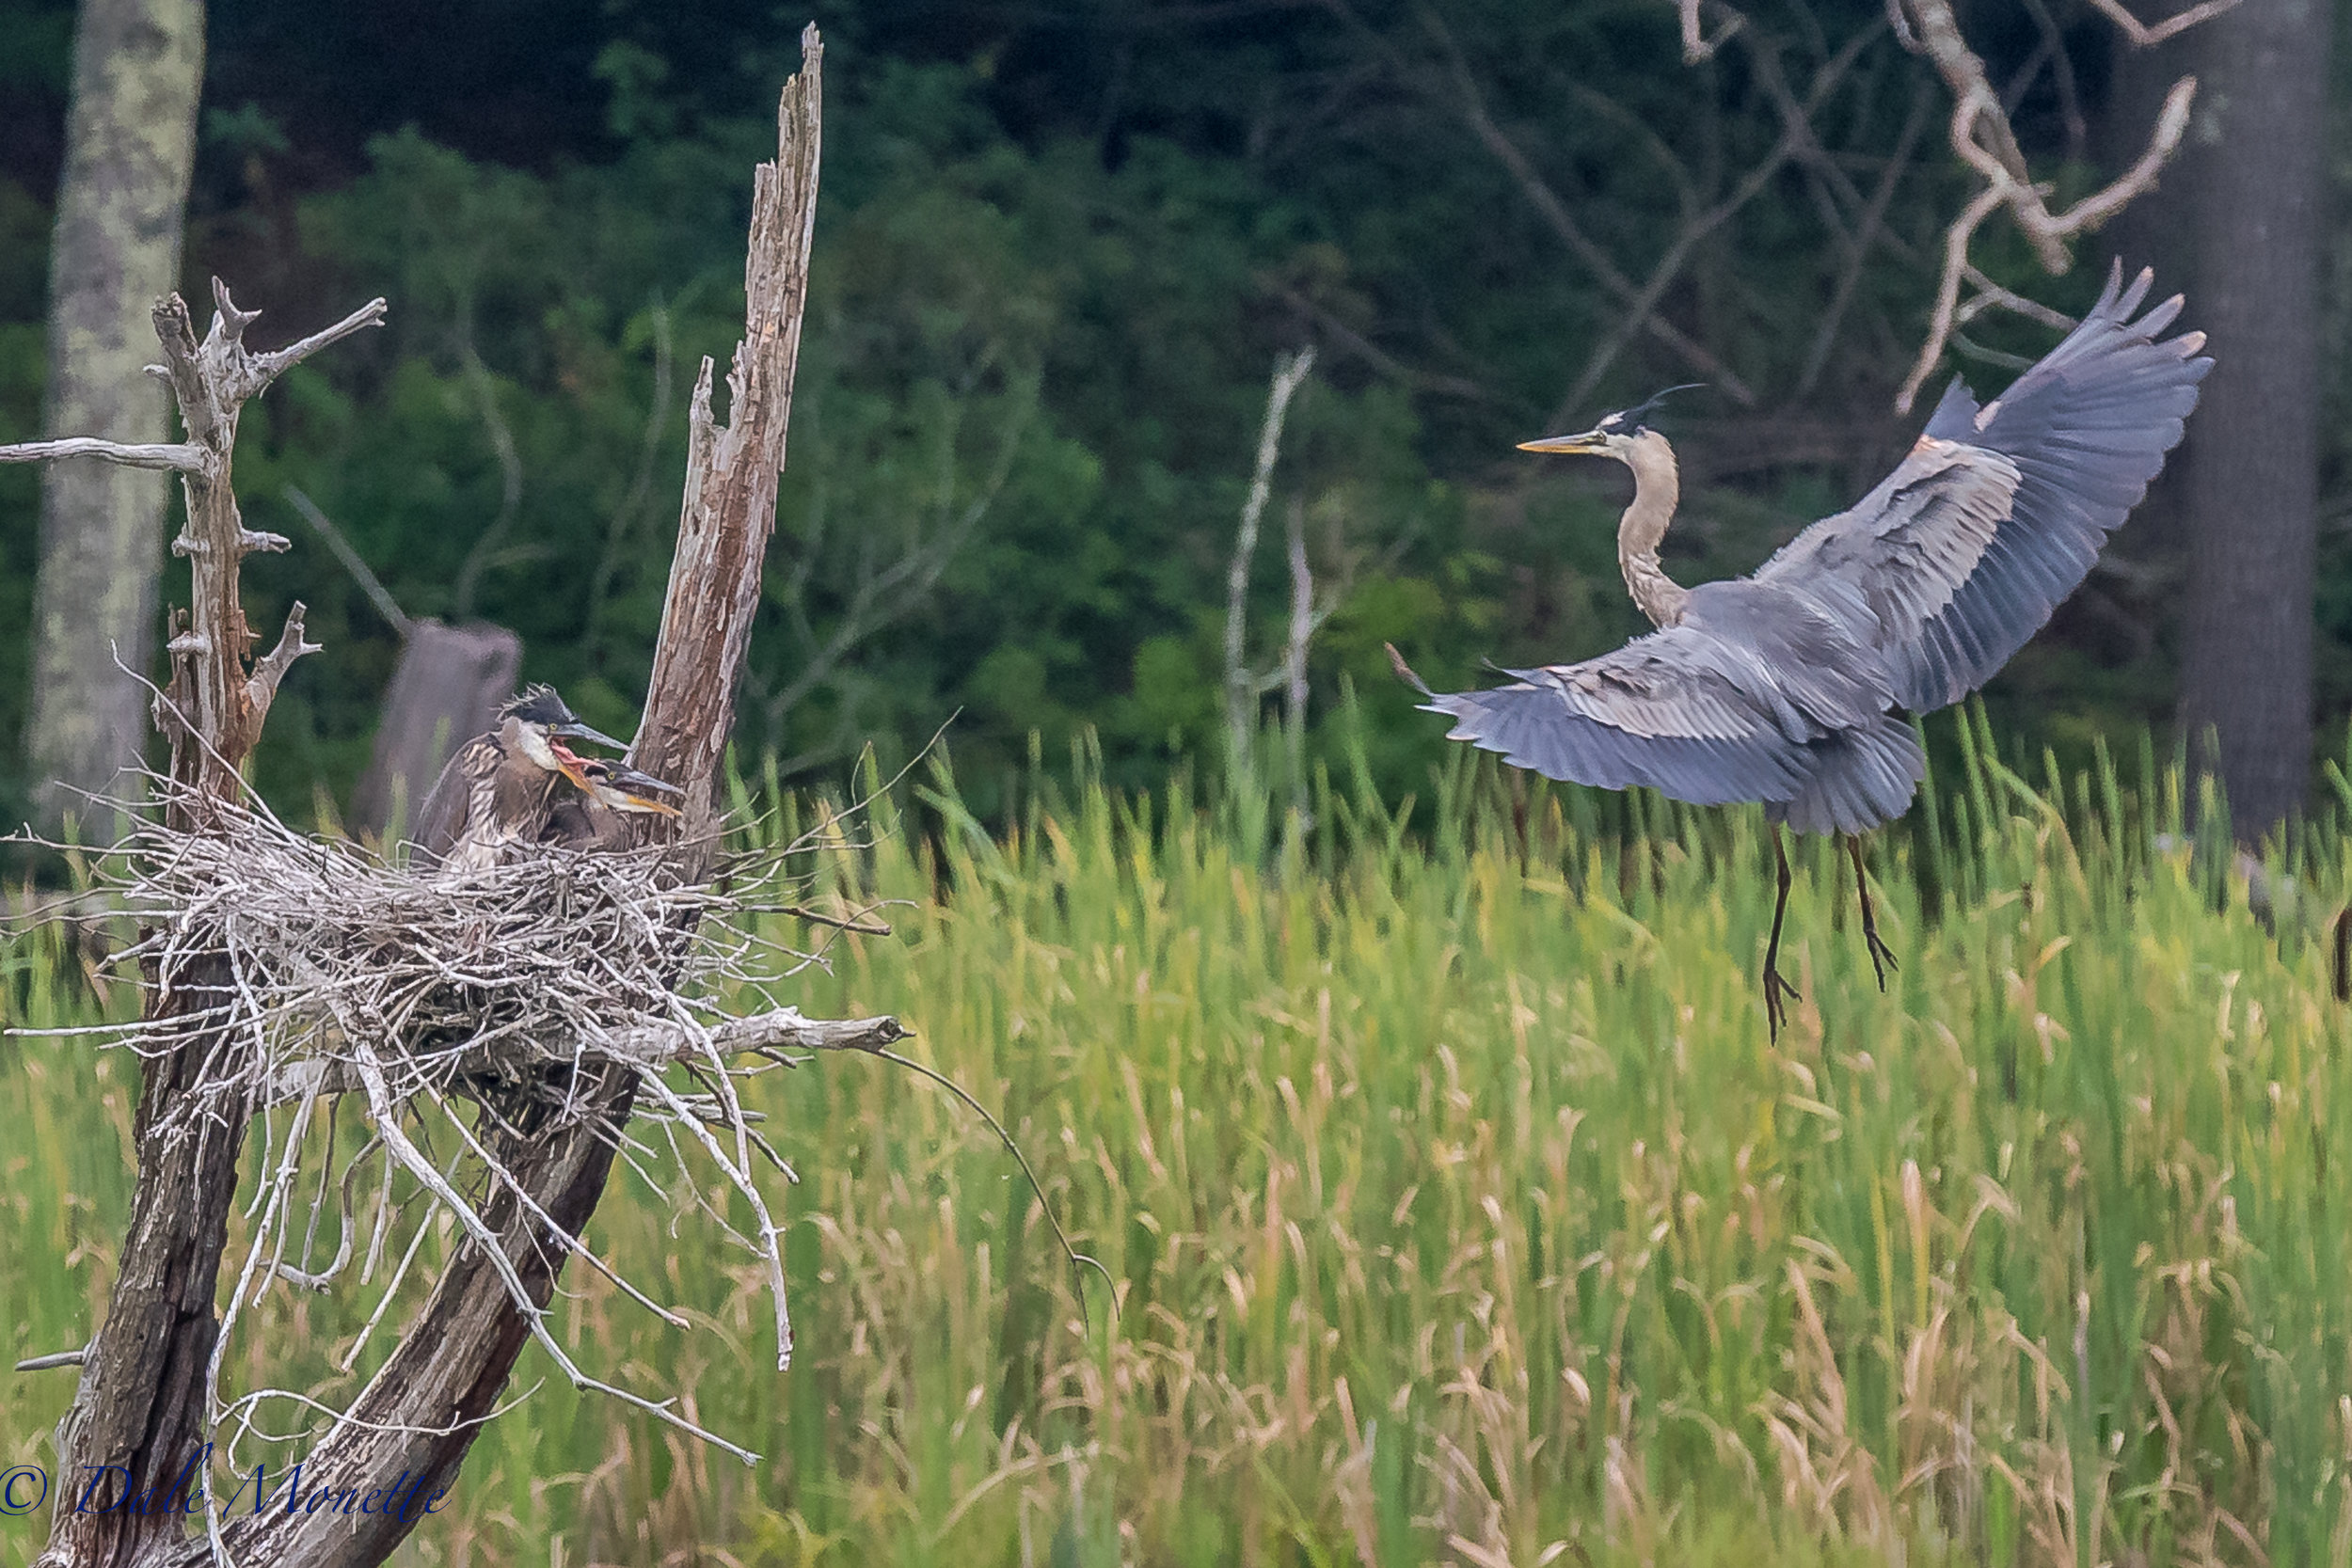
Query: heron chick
{"points": [[610, 792], [1792, 686], [499, 789]]}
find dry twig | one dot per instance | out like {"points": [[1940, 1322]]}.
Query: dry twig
{"points": [[1981, 136]]}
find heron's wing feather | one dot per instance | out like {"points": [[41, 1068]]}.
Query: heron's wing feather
{"points": [[1962, 554], [1665, 711], [443, 814]]}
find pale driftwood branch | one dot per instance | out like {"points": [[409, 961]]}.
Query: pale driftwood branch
{"points": [[177, 457], [1981, 137], [2141, 36], [783, 1029], [259, 370], [1290, 373], [261, 690], [1989, 295], [731, 475], [646, 1048], [1695, 47], [1947, 293]]}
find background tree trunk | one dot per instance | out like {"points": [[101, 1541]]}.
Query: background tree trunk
{"points": [[130, 141], [2260, 135], [445, 690]]}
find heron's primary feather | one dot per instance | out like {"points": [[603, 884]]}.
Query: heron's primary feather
{"points": [[1997, 513]]}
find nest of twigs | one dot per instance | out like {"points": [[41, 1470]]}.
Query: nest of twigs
{"points": [[318, 966], [455, 1004]]}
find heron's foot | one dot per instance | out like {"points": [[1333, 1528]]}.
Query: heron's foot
{"points": [[1882, 955], [1778, 993]]}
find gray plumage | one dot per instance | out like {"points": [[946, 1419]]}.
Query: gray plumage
{"points": [[596, 817], [1787, 688], [501, 788], [493, 796]]}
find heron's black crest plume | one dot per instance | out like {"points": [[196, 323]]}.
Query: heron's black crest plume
{"points": [[539, 705], [1637, 417]]}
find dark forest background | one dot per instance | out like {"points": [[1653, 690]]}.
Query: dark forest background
{"points": [[1060, 248]]}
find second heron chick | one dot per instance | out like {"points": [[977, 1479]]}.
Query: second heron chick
{"points": [[610, 794]]}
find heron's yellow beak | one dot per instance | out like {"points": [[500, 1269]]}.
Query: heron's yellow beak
{"points": [[1589, 441]]}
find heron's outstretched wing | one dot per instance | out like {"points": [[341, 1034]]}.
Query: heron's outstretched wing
{"points": [[1664, 710], [1960, 555]]}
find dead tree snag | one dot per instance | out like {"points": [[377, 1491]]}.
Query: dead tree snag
{"points": [[269, 993]]}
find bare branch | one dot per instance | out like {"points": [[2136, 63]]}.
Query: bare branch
{"points": [[1471, 103], [1290, 373], [1797, 131], [1947, 293], [1874, 224], [370, 584], [2142, 37], [1981, 137], [484, 389], [1990, 294], [1696, 48], [171, 456], [2095, 209], [261, 690], [262, 369]]}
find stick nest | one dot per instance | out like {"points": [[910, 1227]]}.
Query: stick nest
{"points": [[475, 1012], [317, 967]]}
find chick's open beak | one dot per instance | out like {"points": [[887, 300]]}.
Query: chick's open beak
{"points": [[571, 764], [1587, 441]]}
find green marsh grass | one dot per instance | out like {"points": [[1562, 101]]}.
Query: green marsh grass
{"points": [[1461, 1209]]}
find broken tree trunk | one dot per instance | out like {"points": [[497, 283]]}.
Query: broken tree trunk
{"points": [[422, 1411], [145, 1403]]}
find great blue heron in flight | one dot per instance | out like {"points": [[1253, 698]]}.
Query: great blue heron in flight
{"points": [[610, 792], [499, 789], [1789, 687]]}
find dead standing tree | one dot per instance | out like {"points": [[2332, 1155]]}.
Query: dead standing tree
{"points": [[146, 1403]]}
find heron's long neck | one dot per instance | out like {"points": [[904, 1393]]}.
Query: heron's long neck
{"points": [[1656, 489]]}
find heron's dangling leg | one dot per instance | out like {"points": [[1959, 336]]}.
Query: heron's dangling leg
{"points": [[1777, 991], [1882, 955]]}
